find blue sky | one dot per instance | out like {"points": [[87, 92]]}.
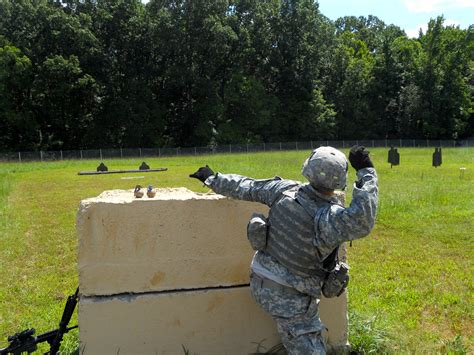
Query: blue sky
{"points": [[410, 15]]}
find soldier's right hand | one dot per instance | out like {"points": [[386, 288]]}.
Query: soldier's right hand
{"points": [[202, 173], [359, 158]]}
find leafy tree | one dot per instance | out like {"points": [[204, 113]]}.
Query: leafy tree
{"points": [[301, 46], [445, 92], [109, 73], [367, 29], [249, 109], [352, 78], [386, 84], [64, 99], [407, 55], [195, 41], [18, 127]]}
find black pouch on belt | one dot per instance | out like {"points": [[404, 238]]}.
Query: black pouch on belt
{"points": [[257, 231], [336, 281]]}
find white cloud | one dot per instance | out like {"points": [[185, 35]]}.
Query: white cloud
{"points": [[437, 5], [413, 32]]}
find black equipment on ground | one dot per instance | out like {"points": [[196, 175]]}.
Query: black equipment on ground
{"points": [[144, 166], [102, 167], [25, 341]]}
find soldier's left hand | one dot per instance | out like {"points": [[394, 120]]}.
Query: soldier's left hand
{"points": [[359, 158], [202, 173]]}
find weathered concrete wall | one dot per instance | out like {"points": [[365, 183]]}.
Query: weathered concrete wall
{"points": [[217, 321], [177, 240], [166, 251]]}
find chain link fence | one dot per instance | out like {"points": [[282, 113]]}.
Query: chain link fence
{"points": [[103, 154]]}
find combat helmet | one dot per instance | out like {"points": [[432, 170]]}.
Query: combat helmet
{"points": [[326, 168]]}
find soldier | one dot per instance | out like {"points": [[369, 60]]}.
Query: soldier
{"points": [[298, 246]]}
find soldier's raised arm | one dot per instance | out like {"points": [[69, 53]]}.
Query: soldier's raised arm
{"points": [[243, 188], [335, 224]]}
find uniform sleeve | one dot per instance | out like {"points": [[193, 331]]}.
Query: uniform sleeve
{"points": [[248, 189], [335, 224]]}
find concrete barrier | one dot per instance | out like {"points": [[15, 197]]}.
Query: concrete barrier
{"points": [[159, 274], [208, 321]]}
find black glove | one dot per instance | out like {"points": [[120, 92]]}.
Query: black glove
{"points": [[203, 173], [359, 158]]}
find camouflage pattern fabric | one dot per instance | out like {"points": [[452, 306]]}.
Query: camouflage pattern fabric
{"points": [[296, 316], [336, 225], [304, 284], [302, 234], [310, 233]]}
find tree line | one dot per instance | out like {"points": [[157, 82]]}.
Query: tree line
{"points": [[119, 73]]}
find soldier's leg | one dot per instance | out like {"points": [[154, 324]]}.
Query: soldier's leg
{"points": [[295, 313], [301, 334]]}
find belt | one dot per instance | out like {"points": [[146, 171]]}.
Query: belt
{"points": [[272, 285]]}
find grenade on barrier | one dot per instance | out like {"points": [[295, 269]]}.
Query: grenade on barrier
{"points": [[138, 193]]}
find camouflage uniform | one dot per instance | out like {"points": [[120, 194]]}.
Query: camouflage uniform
{"points": [[305, 226]]}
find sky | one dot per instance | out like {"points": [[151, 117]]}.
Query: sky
{"points": [[410, 15]]}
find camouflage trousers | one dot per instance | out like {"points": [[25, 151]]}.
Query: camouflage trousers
{"points": [[295, 313]]}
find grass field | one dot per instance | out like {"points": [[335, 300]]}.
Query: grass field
{"points": [[411, 286]]}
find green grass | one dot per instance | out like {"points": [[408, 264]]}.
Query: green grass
{"points": [[411, 283]]}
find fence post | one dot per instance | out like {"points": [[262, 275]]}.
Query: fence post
{"points": [[41, 155], [230, 148], [296, 145], [385, 142], [140, 150], [100, 150], [159, 152], [401, 143], [343, 144], [81, 153], [61, 154], [427, 143], [414, 144], [311, 145], [121, 153], [280, 145], [373, 143], [19, 157], [264, 147], [247, 147], [195, 151]]}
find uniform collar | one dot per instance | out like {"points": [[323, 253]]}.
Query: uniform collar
{"points": [[315, 194]]}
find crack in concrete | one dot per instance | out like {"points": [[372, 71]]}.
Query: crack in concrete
{"points": [[130, 296]]}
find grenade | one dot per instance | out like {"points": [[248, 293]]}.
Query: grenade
{"points": [[336, 282]]}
